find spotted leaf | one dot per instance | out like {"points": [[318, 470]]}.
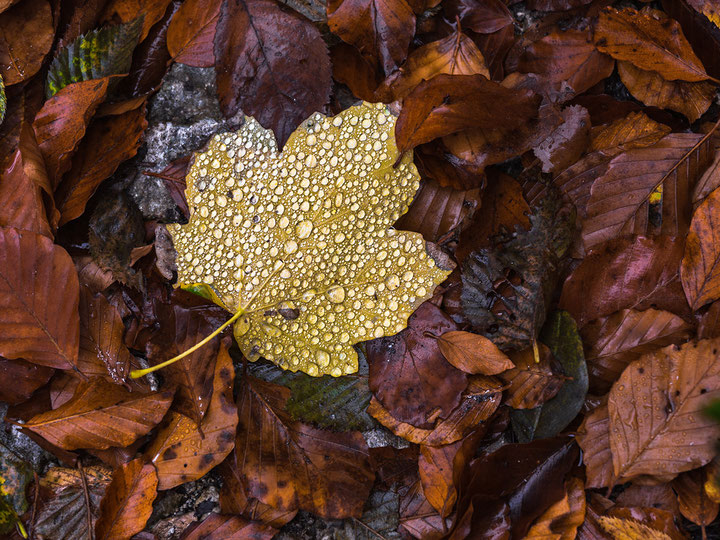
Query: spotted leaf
{"points": [[301, 242]]}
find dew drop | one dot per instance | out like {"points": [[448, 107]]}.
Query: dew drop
{"points": [[290, 247], [392, 282], [336, 294], [304, 229], [322, 358]]}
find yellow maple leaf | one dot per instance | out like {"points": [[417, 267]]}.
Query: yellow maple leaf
{"points": [[300, 245]]}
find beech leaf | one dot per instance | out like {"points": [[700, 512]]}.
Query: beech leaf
{"points": [[473, 353], [299, 244]]}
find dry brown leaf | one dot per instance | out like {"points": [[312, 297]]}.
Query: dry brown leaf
{"points": [[562, 519], [594, 439], [26, 35], [694, 502], [689, 98], [656, 411], [473, 353], [101, 415], [611, 343], [700, 270], [191, 32], [636, 130], [531, 383]]}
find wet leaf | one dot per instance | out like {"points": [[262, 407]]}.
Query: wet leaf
{"points": [[566, 143], [319, 257], [100, 415], [272, 64], [473, 353], [191, 33], [700, 271], [19, 379], [612, 342], [39, 300], [694, 503], [636, 130], [381, 30], [506, 290], [27, 32], [657, 404], [648, 42], [183, 451], [532, 381], [291, 465], [561, 520], [95, 55], [227, 527], [408, 373], [127, 502]]}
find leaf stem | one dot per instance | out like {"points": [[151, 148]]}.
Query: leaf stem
{"points": [[135, 373]]}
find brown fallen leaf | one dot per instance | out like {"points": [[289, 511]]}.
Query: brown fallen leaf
{"points": [[227, 527], [611, 343], [60, 124], [694, 502], [567, 142], [380, 29], [594, 439], [270, 63], [636, 130], [700, 270], [39, 293], [629, 529], [655, 411], [561, 520], [291, 465], [473, 353], [19, 379], [182, 451], [482, 17], [127, 10], [191, 32], [648, 41], [354, 71], [408, 373], [448, 104], [532, 381], [708, 182], [100, 415], [418, 517], [456, 54], [127, 503], [27, 32], [659, 496], [689, 98]]}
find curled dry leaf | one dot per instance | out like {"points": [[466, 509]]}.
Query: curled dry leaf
{"points": [[291, 465], [473, 353], [456, 54], [319, 253], [39, 293], [650, 42], [380, 29], [183, 451], [561, 520], [411, 360], [694, 502], [127, 503], [656, 408], [689, 98], [611, 343], [191, 33], [700, 270], [27, 32], [101, 415], [270, 63], [448, 104]]}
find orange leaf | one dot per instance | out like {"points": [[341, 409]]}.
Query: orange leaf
{"points": [[694, 502], [224, 527], [473, 353], [27, 34], [39, 292], [191, 32], [594, 439], [531, 383], [100, 415], [562, 519], [127, 503]]}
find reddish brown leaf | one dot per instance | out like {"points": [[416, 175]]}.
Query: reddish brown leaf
{"points": [[658, 496], [531, 383], [409, 374], [127, 503], [351, 69], [291, 465], [636, 130], [564, 59], [225, 527], [626, 273], [700, 271], [473, 353], [380, 29], [183, 451], [38, 300], [61, 123], [108, 142], [567, 142], [650, 42], [191, 32], [453, 55], [619, 200], [594, 439], [479, 401], [271, 63], [128, 10], [561, 520], [19, 379], [100, 415], [657, 426], [482, 17], [451, 103], [26, 34], [437, 210], [91, 275], [694, 502], [418, 517], [689, 98], [611, 343]]}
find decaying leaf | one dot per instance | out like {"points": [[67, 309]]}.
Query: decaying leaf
{"points": [[298, 243]]}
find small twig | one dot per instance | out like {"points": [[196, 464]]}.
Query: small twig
{"points": [[369, 528], [87, 498]]}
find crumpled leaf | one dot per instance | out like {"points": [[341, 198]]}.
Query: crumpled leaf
{"points": [[507, 291], [310, 242], [97, 54]]}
